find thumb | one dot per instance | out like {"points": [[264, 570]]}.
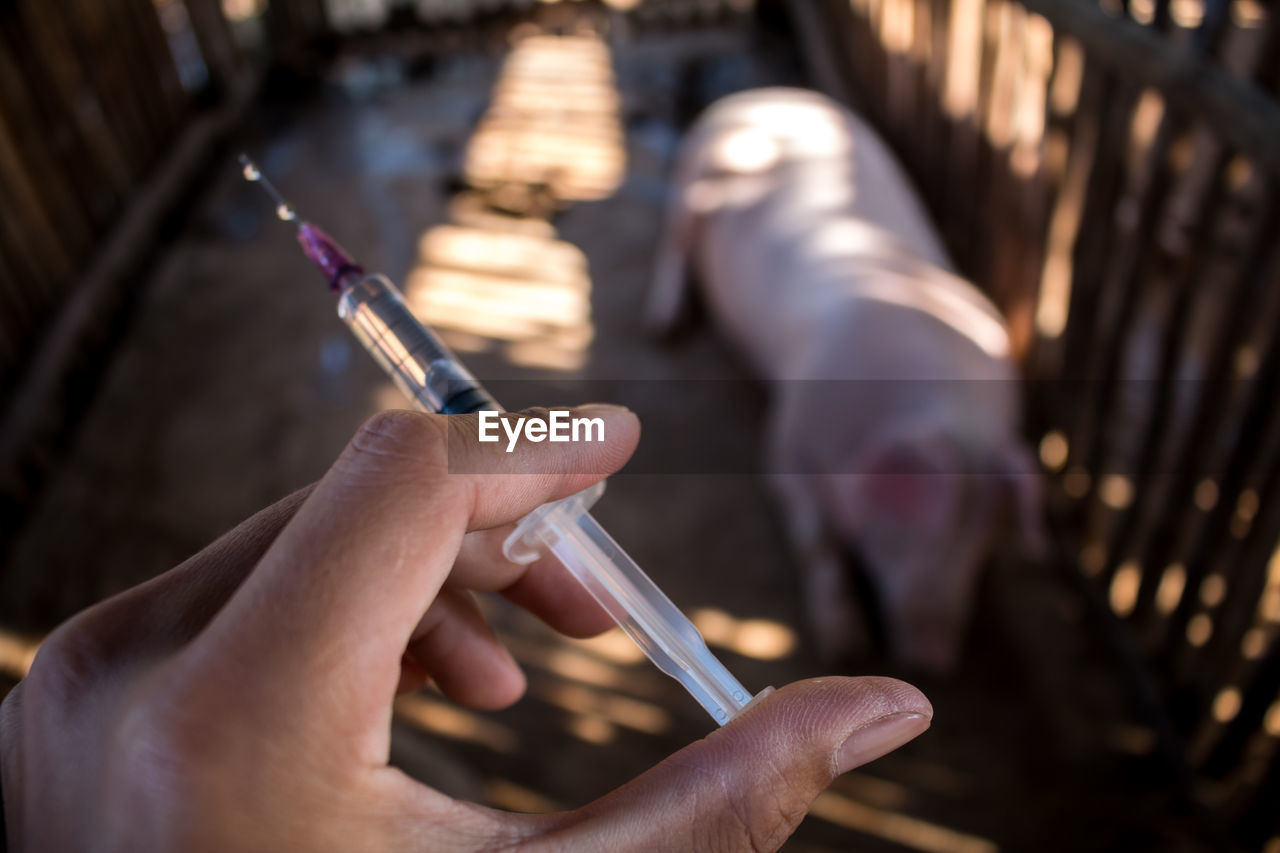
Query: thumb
{"points": [[748, 785]]}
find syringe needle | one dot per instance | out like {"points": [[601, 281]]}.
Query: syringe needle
{"points": [[321, 249], [254, 175]]}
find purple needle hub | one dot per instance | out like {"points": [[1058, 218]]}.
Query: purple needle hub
{"points": [[328, 256]]}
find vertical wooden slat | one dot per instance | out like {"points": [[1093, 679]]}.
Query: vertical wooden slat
{"points": [[13, 324], [862, 52], [89, 100], [1258, 819], [1034, 184], [112, 39], [1174, 340], [1261, 691], [1199, 675], [39, 54], [1129, 227], [31, 286], [155, 73], [896, 25], [1122, 283], [935, 128], [876, 81], [1243, 294], [1004, 259], [1258, 410], [1161, 18], [213, 35], [1268, 74], [99, 166], [1222, 663], [1075, 89], [922, 109], [137, 93], [1247, 568], [94, 40], [1116, 101], [29, 129], [962, 103], [41, 239]]}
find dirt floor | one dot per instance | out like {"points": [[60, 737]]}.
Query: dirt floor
{"points": [[237, 384]]}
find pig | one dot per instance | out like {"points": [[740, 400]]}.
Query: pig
{"points": [[892, 434]]}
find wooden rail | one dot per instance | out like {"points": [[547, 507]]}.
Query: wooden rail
{"points": [[1245, 116]]}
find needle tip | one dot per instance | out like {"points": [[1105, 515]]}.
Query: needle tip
{"points": [[250, 169]]}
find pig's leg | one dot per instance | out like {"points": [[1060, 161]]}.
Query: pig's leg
{"points": [[1024, 475], [668, 302], [834, 620]]}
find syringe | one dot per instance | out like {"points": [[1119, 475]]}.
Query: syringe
{"points": [[435, 381]]}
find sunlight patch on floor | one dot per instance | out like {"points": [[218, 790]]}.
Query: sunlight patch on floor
{"points": [[498, 279], [507, 795], [762, 639], [438, 717], [901, 829], [16, 654]]}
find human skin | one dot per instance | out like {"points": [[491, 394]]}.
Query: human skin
{"points": [[243, 700]]}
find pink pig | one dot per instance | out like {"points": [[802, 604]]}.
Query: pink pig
{"points": [[893, 431]]}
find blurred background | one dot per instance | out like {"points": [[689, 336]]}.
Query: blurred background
{"points": [[1105, 171]]}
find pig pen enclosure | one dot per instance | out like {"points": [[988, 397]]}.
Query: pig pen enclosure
{"points": [[1107, 172]]}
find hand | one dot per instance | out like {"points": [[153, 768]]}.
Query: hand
{"points": [[242, 701]]}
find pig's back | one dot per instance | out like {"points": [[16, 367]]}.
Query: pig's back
{"points": [[835, 215], [777, 296]]}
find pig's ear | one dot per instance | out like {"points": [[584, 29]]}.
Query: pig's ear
{"points": [[909, 479]]}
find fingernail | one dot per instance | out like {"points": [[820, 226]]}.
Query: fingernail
{"points": [[602, 408], [878, 738]]}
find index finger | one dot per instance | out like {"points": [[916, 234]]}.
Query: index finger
{"points": [[336, 598]]}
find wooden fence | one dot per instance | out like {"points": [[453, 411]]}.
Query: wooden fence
{"points": [[91, 101], [108, 110], [89, 96], [1109, 173]]}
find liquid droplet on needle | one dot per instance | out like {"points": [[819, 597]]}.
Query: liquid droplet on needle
{"points": [[253, 174]]}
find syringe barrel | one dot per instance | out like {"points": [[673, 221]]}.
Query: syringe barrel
{"points": [[416, 360], [432, 377], [641, 609]]}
